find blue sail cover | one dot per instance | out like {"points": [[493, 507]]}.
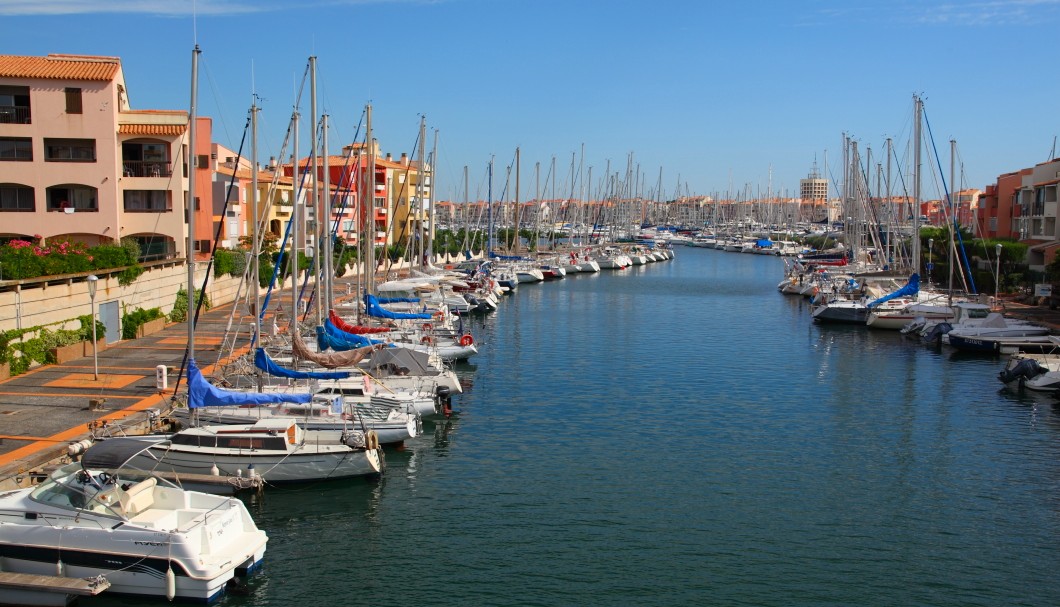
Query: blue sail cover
{"points": [[386, 300], [911, 288], [202, 393], [330, 337], [372, 308], [508, 257], [266, 364]]}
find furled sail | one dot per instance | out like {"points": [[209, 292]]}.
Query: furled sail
{"points": [[202, 393], [266, 364], [331, 360], [911, 288], [372, 308]]}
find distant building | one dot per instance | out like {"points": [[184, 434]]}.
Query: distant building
{"points": [[813, 192]]}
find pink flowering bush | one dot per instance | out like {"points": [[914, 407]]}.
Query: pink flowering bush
{"points": [[24, 259]]}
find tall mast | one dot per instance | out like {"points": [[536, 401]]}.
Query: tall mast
{"points": [[917, 121], [489, 208], [327, 250], [953, 215], [518, 209], [296, 217], [254, 221], [315, 204], [421, 176], [892, 224], [432, 198], [368, 203], [190, 205]]}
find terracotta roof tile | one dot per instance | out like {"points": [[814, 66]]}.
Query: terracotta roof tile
{"points": [[151, 129], [65, 67]]}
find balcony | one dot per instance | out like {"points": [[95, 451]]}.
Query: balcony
{"points": [[14, 114], [140, 168]]}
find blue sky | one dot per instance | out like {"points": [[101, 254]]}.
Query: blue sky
{"points": [[714, 92]]}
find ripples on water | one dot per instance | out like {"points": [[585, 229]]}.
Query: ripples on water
{"points": [[681, 433]]}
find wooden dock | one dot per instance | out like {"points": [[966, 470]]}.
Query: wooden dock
{"points": [[31, 589]]}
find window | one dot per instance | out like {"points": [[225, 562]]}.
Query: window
{"points": [[147, 201], [15, 197], [73, 101], [71, 196], [70, 150], [14, 104], [16, 148]]}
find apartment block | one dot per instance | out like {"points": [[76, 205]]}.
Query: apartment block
{"points": [[78, 163]]}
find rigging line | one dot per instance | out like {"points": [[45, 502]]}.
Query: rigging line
{"points": [[955, 226], [205, 67]]}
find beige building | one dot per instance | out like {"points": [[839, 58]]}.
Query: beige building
{"points": [[77, 162]]}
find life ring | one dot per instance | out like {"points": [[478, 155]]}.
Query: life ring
{"points": [[427, 326], [467, 340], [371, 440], [426, 339]]}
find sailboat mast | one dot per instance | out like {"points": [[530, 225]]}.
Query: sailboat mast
{"points": [[489, 208], [953, 213], [892, 223], [417, 247], [190, 206], [518, 209], [368, 204], [296, 216], [328, 244], [917, 118], [255, 221], [432, 198], [315, 205]]}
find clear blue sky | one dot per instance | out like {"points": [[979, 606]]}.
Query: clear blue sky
{"points": [[714, 92]]}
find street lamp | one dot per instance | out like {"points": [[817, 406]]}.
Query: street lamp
{"points": [[930, 266], [997, 275], [92, 278]]}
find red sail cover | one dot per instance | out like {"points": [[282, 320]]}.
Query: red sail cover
{"points": [[358, 329]]}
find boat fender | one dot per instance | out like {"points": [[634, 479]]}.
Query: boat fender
{"points": [[426, 339], [467, 340], [171, 583], [371, 440], [427, 326]]}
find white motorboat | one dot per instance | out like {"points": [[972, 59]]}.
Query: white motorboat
{"points": [[1037, 372], [146, 538]]}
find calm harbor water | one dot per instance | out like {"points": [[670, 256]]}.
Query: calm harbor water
{"points": [[681, 434]]}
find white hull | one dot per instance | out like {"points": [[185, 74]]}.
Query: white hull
{"points": [[134, 537]]}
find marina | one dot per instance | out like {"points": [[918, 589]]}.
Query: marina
{"points": [[678, 430]]}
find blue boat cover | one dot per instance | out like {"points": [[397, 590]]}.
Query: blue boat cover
{"points": [[911, 288], [331, 337], [202, 393], [372, 308], [266, 364], [764, 243], [508, 257], [386, 300]]}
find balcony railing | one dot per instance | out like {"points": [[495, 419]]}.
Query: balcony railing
{"points": [[138, 168], [14, 114]]}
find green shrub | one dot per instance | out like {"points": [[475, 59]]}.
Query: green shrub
{"points": [[223, 262], [180, 306], [131, 322]]}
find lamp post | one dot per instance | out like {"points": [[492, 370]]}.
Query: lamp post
{"points": [[997, 275], [930, 266], [92, 278]]}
